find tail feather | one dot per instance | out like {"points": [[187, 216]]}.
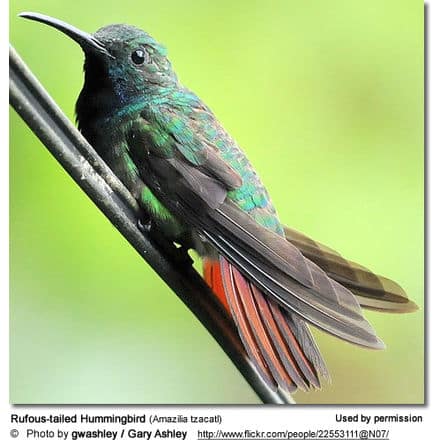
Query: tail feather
{"points": [[213, 277], [299, 347], [327, 304], [241, 300], [245, 329], [309, 349], [280, 345], [279, 340]]}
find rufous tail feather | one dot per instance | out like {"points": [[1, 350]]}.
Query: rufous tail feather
{"points": [[284, 354]]}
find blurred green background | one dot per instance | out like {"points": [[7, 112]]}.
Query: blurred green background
{"points": [[326, 98]]}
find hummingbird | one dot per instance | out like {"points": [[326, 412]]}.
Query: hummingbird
{"points": [[198, 190]]}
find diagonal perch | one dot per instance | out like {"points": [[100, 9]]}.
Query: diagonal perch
{"points": [[77, 157]]}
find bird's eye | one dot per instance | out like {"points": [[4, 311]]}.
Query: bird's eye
{"points": [[139, 56]]}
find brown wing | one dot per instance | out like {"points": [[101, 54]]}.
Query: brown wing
{"points": [[268, 261], [371, 290]]}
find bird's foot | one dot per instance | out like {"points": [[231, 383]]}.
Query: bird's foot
{"points": [[177, 254], [183, 257], [145, 226]]}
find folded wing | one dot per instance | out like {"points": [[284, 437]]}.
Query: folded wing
{"points": [[372, 291]]}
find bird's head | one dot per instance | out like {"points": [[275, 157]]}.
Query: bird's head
{"points": [[119, 58]]}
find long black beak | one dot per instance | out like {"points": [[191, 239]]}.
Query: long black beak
{"points": [[87, 41]]}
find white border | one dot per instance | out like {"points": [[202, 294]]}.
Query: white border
{"points": [[294, 418]]}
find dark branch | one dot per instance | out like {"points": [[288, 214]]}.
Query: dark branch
{"points": [[89, 171]]}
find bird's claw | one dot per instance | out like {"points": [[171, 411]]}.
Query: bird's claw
{"points": [[179, 254], [183, 257], [145, 227]]}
